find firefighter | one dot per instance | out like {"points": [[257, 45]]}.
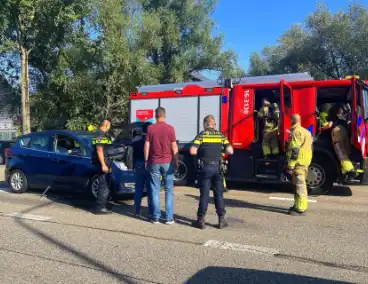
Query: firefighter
{"points": [[101, 141], [341, 143], [324, 115], [270, 115], [208, 147], [299, 157]]}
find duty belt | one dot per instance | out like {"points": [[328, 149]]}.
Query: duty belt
{"points": [[204, 162]]}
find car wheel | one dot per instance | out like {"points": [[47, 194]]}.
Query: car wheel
{"points": [[93, 187], [18, 182], [320, 175], [183, 173]]}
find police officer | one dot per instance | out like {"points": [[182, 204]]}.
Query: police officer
{"points": [[103, 180], [269, 115], [208, 146], [299, 156]]}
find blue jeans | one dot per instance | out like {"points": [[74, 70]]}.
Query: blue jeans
{"points": [[155, 172], [141, 180]]}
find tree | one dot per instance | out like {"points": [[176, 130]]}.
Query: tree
{"points": [[327, 45], [121, 44], [177, 35], [28, 26], [258, 66]]}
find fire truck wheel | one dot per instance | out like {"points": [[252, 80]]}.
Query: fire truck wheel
{"points": [[320, 175], [183, 173]]}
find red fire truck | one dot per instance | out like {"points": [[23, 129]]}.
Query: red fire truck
{"points": [[233, 103]]}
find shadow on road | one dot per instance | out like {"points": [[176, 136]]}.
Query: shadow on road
{"points": [[245, 204], [222, 275], [337, 190], [89, 262]]}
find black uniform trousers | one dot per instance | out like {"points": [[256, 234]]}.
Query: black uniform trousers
{"points": [[210, 174], [103, 192]]}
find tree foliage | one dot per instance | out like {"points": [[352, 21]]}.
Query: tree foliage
{"points": [[88, 55], [327, 45]]}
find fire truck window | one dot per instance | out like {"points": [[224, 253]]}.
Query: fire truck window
{"points": [[287, 97], [365, 102]]}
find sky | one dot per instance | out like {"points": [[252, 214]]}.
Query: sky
{"points": [[249, 25]]}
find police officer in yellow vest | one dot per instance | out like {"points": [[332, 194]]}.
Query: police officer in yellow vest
{"points": [[270, 115], [100, 142], [208, 147], [299, 156]]}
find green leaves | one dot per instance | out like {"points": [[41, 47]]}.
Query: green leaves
{"points": [[327, 45], [90, 54]]}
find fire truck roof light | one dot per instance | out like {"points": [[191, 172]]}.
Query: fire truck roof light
{"points": [[209, 90], [134, 94], [178, 91], [144, 94]]}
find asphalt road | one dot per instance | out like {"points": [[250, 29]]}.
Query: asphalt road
{"points": [[55, 239]]}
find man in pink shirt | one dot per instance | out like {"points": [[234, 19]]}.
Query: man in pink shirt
{"points": [[161, 158]]}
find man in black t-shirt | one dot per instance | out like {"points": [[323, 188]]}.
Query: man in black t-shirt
{"points": [[141, 175]]}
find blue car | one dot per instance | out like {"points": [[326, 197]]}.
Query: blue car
{"points": [[63, 160]]}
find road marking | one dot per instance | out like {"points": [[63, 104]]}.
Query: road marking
{"points": [[240, 247], [28, 216], [291, 199]]}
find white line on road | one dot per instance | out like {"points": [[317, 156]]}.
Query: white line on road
{"points": [[291, 199], [240, 247], [28, 216]]}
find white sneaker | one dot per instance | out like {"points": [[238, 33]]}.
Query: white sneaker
{"points": [[171, 222]]}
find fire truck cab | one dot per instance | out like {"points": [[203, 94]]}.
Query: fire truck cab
{"points": [[234, 104]]}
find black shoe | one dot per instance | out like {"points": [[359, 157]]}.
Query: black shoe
{"points": [[199, 223], [102, 211], [222, 223], [295, 212], [155, 221]]}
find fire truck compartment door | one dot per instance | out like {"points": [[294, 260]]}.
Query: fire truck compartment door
{"points": [[209, 105], [286, 111], [242, 117], [143, 110], [364, 143], [305, 103], [182, 114], [360, 119]]}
